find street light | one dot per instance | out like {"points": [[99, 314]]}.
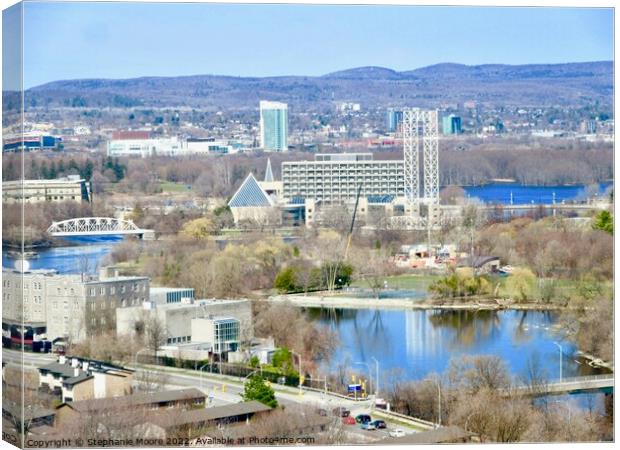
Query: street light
{"points": [[560, 348], [200, 370]]}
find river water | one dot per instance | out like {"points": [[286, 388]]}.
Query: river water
{"points": [[501, 193]]}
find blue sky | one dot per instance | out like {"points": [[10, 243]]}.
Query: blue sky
{"points": [[104, 40]]}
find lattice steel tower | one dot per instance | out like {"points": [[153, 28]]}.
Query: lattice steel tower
{"points": [[414, 120], [431, 156], [410, 127]]}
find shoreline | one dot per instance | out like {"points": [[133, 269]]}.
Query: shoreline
{"points": [[309, 301]]}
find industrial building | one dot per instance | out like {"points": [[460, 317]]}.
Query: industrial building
{"points": [[71, 188], [273, 126]]}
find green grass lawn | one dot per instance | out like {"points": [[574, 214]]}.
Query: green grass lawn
{"points": [[167, 186], [418, 282]]}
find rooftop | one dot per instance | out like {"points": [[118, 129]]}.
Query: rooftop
{"points": [[250, 194], [134, 400], [180, 418]]}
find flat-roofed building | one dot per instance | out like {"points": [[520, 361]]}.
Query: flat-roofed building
{"points": [[67, 189], [222, 324], [40, 306], [164, 295], [144, 147], [337, 177], [273, 126]]}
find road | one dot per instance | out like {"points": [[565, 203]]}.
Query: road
{"points": [[222, 390]]}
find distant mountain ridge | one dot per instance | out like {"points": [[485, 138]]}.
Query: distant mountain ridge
{"points": [[530, 84]]}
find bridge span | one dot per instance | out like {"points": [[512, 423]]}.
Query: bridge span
{"points": [[569, 385], [98, 226]]}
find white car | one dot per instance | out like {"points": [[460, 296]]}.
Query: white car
{"points": [[397, 433]]}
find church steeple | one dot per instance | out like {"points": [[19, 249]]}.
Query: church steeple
{"points": [[268, 171]]}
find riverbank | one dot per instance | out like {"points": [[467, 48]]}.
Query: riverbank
{"points": [[312, 301]]}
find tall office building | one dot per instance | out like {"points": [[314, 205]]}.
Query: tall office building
{"points": [[394, 119], [451, 124], [273, 126]]}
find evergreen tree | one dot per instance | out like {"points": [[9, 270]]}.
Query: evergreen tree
{"points": [[256, 389], [604, 221]]}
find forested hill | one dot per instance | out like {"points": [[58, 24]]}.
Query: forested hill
{"points": [[572, 84]]}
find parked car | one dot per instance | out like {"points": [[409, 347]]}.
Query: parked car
{"points": [[379, 423], [341, 412], [397, 433], [368, 426], [348, 420], [363, 418]]}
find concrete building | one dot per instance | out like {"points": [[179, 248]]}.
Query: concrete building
{"points": [[40, 306], [219, 326], [337, 177], [31, 141], [273, 126], [208, 146], [165, 295], [133, 145], [76, 379], [71, 188]]}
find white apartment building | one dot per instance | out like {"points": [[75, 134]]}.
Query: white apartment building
{"points": [[337, 177]]}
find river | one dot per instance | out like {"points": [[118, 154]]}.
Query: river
{"points": [[501, 193], [412, 344]]}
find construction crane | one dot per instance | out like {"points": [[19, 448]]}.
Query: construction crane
{"points": [[332, 283]]}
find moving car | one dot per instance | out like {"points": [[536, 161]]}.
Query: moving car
{"points": [[348, 420], [363, 418], [379, 423], [397, 433]]}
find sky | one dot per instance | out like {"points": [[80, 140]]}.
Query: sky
{"points": [[105, 40]]}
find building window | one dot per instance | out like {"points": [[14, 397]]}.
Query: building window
{"points": [[112, 290], [92, 292], [102, 291], [122, 289]]}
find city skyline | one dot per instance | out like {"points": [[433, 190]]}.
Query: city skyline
{"points": [[103, 40]]}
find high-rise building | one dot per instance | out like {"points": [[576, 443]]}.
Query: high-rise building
{"points": [[273, 126], [337, 177], [451, 124], [394, 119]]}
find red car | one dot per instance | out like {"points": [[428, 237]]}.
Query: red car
{"points": [[348, 420]]}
